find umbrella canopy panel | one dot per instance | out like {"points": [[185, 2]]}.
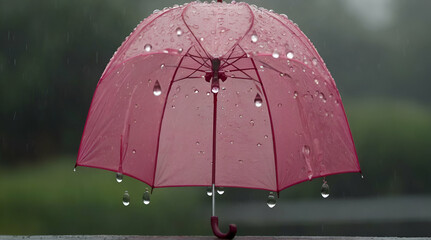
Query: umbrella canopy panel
{"points": [[277, 119]]}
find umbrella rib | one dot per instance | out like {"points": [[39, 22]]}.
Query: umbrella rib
{"points": [[161, 119], [185, 78], [194, 69], [272, 124], [274, 69], [236, 60], [244, 69], [225, 60], [204, 62], [249, 79], [241, 70], [189, 76], [204, 59]]}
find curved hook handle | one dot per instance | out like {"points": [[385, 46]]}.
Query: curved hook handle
{"points": [[229, 235]]}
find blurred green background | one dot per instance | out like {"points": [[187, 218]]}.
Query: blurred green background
{"points": [[53, 52]]}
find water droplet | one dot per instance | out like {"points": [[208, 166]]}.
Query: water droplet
{"points": [[324, 191], [306, 150], [314, 61], [157, 90], [275, 54], [279, 105], [289, 55], [179, 31], [196, 91], [271, 200], [362, 176], [162, 66], [254, 38], [126, 199], [220, 190], [74, 169], [146, 197], [215, 89], [322, 97], [147, 47], [209, 191], [202, 39], [133, 151], [295, 94], [258, 101], [197, 143], [252, 122], [119, 177], [259, 144], [232, 142]]}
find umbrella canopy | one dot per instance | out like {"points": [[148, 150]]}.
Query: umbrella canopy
{"points": [[217, 93]]}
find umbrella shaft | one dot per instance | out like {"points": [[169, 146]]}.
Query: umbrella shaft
{"points": [[213, 197]]}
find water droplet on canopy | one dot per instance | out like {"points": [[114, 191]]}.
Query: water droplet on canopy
{"points": [[258, 101], [271, 200], [306, 150], [324, 191], [146, 197], [220, 190], [157, 90], [126, 199], [147, 47], [289, 55], [275, 54], [119, 177], [254, 38], [179, 31]]}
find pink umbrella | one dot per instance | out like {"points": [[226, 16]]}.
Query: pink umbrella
{"points": [[221, 95]]}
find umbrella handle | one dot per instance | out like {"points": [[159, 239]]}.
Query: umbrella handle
{"points": [[229, 235]]}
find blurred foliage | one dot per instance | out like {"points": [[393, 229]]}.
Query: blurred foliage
{"points": [[53, 52]]}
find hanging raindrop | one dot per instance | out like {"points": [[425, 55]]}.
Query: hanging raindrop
{"points": [[258, 101], [147, 47], [215, 89], [271, 200], [209, 191], [119, 177], [74, 169], [126, 198], [157, 90], [325, 189], [220, 190], [146, 197]]}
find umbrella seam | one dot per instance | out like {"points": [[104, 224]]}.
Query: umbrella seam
{"points": [[161, 119], [125, 44], [272, 125], [314, 50]]}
